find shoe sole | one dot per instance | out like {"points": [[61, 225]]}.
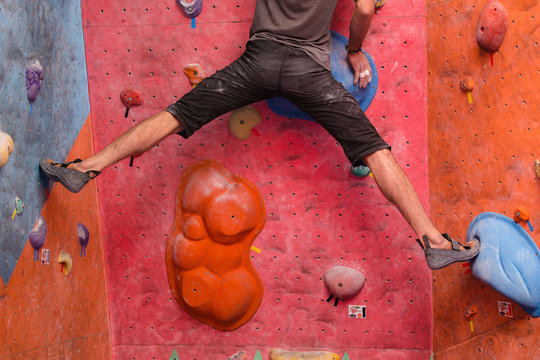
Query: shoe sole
{"points": [[439, 258], [73, 180]]}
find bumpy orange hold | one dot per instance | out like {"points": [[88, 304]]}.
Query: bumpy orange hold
{"points": [[218, 215]]}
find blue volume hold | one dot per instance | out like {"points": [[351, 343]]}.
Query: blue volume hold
{"points": [[343, 73], [509, 260]]}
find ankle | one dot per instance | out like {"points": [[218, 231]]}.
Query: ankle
{"points": [[437, 241], [78, 166]]}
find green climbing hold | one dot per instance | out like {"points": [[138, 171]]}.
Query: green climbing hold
{"points": [[174, 355], [19, 206], [258, 356], [360, 170], [345, 356]]}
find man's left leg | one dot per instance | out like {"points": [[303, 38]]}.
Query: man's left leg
{"points": [[396, 187], [314, 90]]}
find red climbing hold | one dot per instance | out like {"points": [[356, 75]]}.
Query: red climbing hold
{"points": [[492, 26], [218, 215], [131, 98]]}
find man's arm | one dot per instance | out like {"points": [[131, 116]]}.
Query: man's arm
{"points": [[360, 23]]}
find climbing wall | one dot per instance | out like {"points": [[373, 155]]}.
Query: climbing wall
{"points": [[45, 314], [318, 214], [49, 315], [482, 157], [51, 34]]}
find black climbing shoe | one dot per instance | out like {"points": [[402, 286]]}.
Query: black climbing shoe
{"points": [[439, 258], [71, 179]]}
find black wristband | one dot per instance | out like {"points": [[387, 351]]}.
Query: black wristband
{"points": [[353, 51]]}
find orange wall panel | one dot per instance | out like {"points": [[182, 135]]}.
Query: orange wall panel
{"points": [[49, 315], [481, 158]]}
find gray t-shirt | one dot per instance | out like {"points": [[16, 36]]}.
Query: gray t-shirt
{"points": [[303, 24]]}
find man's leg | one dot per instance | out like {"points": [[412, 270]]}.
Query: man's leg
{"points": [[397, 188], [314, 90], [251, 78], [136, 140]]}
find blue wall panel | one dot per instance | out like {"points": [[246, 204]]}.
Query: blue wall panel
{"points": [[51, 32]]}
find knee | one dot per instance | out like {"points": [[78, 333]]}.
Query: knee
{"points": [[365, 8], [379, 156]]}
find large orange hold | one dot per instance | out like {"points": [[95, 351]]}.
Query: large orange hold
{"points": [[218, 215], [492, 26]]}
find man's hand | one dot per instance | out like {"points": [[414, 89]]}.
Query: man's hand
{"points": [[362, 70]]}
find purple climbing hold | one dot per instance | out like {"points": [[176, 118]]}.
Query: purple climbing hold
{"points": [[84, 236], [37, 236], [34, 76], [343, 282], [191, 8]]}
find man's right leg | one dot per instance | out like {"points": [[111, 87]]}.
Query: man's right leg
{"points": [[136, 140], [251, 78]]}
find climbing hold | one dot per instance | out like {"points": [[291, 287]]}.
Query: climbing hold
{"points": [[379, 3], [64, 259], [218, 216], [191, 8], [522, 215], [508, 260], [343, 73], [537, 167], [467, 85], [130, 98], [243, 120], [195, 73], [276, 354], [34, 77], [38, 235], [343, 282], [6, 148], [360, 170], [19, 207], [238, 356], [84, 236], [469, 313], [258, 355], [492, 26]]}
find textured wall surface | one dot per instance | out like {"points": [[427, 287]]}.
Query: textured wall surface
{"points": [[318, 215], [45, 314], [51, 32], [481, 159]]}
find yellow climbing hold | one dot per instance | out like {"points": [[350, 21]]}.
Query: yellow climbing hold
{"points": [[276, 354], [243, 120], [65, 259], [6, 147]]}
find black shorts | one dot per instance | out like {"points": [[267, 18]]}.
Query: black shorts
{"points": [[268, 69]]}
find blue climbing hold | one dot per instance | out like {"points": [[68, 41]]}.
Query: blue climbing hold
{"points": [[509, 260], [343, 73]]}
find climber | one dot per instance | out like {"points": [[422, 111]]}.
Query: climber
{"points": [[288, 54]]}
